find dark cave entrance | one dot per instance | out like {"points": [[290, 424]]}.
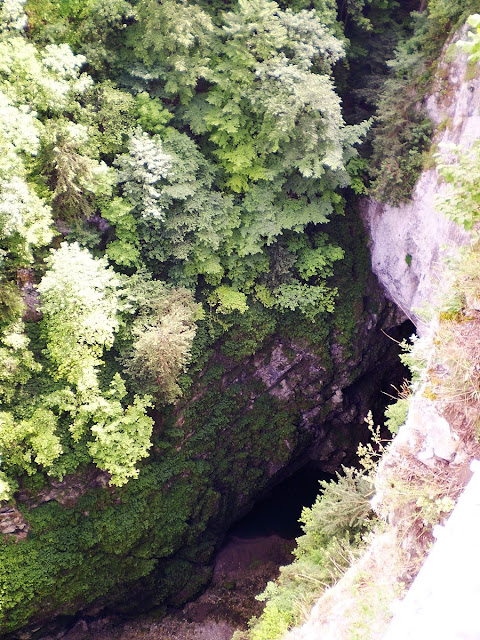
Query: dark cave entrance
{"points": [[279, 511], [391, 373], [276, 512]]}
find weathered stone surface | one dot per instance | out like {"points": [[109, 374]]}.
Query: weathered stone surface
{"points": [[442, 603], [409, 243], [67, 491], [439, 441], [12, 522], [426, 434]]}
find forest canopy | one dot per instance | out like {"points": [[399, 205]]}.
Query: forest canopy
{"points": [[160, 160]]}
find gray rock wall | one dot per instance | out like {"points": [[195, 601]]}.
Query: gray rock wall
{"points": [[410, 243]]}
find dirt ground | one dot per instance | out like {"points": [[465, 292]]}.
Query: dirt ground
{"points": [[242, 569]]}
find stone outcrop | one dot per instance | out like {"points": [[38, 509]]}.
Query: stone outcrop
{"points": [[12, 523], [410, 243]]}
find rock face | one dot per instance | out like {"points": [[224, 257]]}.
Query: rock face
{"points": [[409, 243], [253, 415], [431, 608], [12, 522]]}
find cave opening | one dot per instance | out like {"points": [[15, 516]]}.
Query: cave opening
{"points": [[276, 513]]}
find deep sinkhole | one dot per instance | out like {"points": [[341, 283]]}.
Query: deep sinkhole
{"points": [[278, 511], [273, 518]]}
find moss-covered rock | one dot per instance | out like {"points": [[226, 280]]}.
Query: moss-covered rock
{"points": [[259, 402]]}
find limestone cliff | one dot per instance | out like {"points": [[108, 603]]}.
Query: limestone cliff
{"points": [[410, 243]]}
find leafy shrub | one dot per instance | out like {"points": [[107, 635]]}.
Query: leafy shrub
{"points": [[461, 203], [331, 540], [472, 45], [396, 414]]}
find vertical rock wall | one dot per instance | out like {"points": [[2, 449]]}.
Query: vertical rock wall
{"points": [[410, 243]]}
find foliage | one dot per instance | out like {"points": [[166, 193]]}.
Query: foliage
{"points": [[17, 361], [196, 221], [126, 533], [172, 45], [163, 332], [31, 84], [74, 422], [415, 356], [396, 414], [248, 333], [90, 27], [108, 113], [461, 203], [403, 130], [344, 506], [104, 160], [270, 129], [271, 97], [80, 314], [29, 441], [138, 173], [12, 16], [124, 249], [74, 178], [330, 542], [226, 300], [121, 435], [472, 45]]}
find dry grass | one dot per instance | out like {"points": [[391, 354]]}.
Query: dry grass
{"points": [[459, 365], [358, 606], [414, 495]]}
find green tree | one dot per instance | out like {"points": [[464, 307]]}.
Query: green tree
{"points": [[172, 42], [121, 435], [268, 113], [197, 220], [80, 301], [163, 330], [91, 27], [74, 178], [140, 171], [17, 362]]}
